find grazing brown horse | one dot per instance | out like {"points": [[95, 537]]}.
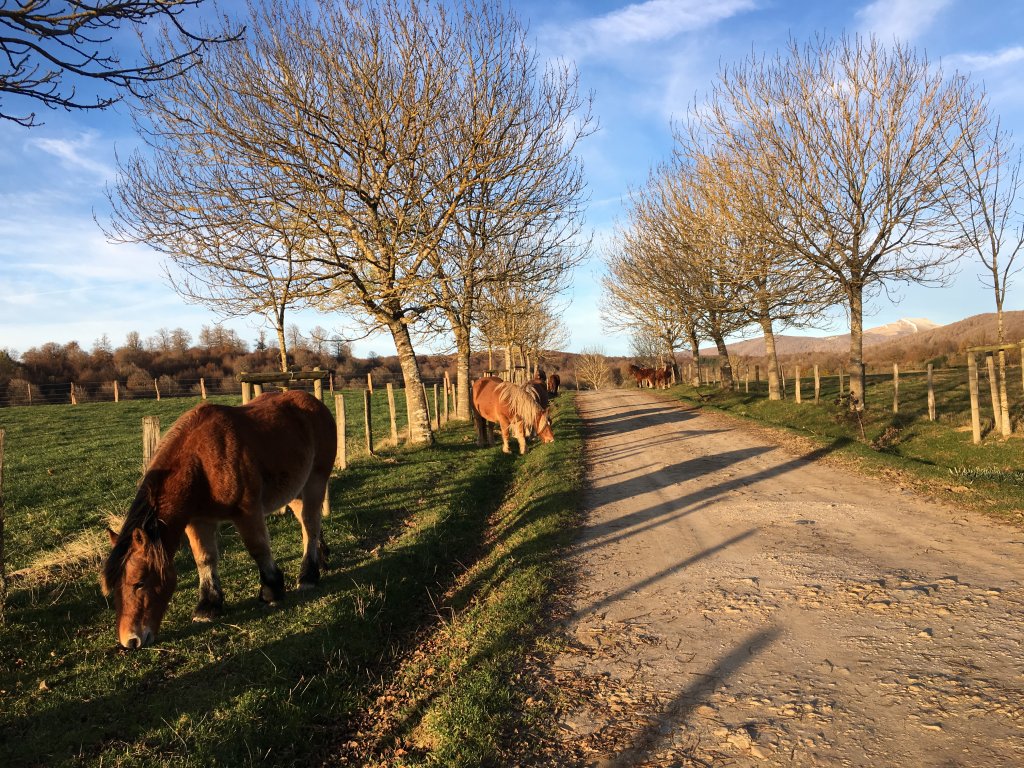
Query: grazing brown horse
{"points": [[554, 382], [508, 405], [221, 463]]}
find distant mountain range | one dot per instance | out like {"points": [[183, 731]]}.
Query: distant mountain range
{"points": [[909, 338]]}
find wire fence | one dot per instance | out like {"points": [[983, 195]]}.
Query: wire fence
{"points": [[20, 392]]}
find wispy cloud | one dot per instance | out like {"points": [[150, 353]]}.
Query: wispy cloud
{"points": [[78, 153], [902, 19], [979, 62], [644, 23]]}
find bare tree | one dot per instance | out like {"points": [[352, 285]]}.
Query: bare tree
{"points": [[49, 46], [520, 220], [230, 230], [771, 286], [858, 145], [678, 212], [991, 219], [348, 120], [592, 371], [635, 300]]}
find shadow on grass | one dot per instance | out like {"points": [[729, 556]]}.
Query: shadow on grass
{"points": [[233, 692]]}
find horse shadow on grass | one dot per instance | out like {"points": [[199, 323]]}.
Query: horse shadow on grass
{"points": [[286, 699]]}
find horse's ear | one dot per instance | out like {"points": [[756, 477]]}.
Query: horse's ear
{"points": [[112, 535], [139, 538]]}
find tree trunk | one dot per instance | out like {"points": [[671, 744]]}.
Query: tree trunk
{"points": [[695, 349], [773, 358], [855, 295], [462, 372], [282, 345], [725, 367], [419, 414]]}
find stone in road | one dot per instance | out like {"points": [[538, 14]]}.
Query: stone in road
{"points": [[741, 604]]}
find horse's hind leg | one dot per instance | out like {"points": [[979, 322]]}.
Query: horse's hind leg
{"points": [[202, 537], [308, 511], [252, 527]]}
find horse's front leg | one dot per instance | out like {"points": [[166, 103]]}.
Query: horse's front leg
{"points": [[252, 527], [504, 425], [520, 433], [202, 538]]}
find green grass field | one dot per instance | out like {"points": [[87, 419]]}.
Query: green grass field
{"points": [[940, 453], [443, 554]]}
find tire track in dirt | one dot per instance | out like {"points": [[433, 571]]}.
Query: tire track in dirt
{"points": [[741, 605]]}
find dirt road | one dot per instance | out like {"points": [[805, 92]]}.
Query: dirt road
{"points": [[740, 604]]}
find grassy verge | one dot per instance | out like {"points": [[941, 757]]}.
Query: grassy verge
{"points": [[422, 547], [461, 698], [937, 457]]}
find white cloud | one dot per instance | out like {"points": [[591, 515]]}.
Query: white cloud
{"points": [[902, 19], [979, 62], [77, 153], [648, 22]]}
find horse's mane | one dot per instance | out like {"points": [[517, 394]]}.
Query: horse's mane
{"points": [[142, 514], [522, 401]]}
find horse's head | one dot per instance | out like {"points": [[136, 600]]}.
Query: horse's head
{"points": [[543, 428], [139, 575]]}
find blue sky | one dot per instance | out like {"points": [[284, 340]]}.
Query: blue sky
{"points": [[644, 62]]}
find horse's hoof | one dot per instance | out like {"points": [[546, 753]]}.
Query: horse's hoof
{"points": [[305, 586], [270, 596], [206, 613]]}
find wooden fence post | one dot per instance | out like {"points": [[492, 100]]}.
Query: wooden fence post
{"points": [[257, 390], [437, 408], [332, 384], [318, 388], [369, 383], [117, 392], [28, 386], [746, 380], [156, 386], [202, 388], [972, 385], [150, 439], [447, 390], [341, 457], [895, 387], [391, 411], [368, 419], [782, 380], [817, 385], [3, 562], [426, 403], [1004, 401], [993, 386], [246, 392], [931, 395], [796, 384]]}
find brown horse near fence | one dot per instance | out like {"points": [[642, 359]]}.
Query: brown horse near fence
{"points": [[643, 376], [221, 463], [510, 406]]}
